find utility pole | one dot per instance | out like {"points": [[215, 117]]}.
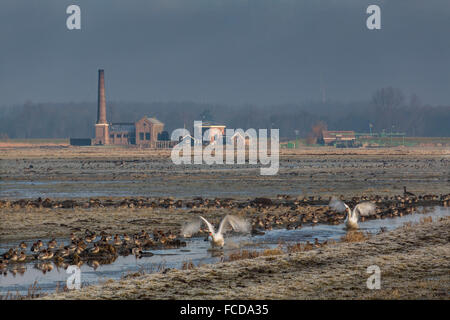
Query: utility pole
{"points": [[392, 127], [324, 96]]}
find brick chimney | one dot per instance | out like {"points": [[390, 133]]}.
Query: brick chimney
{"points": [[102, 126], [101, 113]]}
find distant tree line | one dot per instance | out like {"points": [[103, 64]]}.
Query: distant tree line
{"points": [[388, 109]]}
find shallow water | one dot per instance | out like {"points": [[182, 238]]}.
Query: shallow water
{"points": [[64, 189], [67, 189], [196, 251]]}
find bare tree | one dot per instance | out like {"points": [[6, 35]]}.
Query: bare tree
{"points": [[386, 101]]}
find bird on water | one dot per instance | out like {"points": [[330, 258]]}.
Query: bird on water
{"points": [[216, 238], [361, 209]]}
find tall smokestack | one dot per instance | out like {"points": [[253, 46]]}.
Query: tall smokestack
{"points": [[101, 115], [101, 127]]}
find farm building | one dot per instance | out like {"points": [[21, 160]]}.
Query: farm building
{"points": [[337, 137], [210, 131], [146, 132]]}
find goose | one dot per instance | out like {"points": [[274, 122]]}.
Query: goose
{"points": [[43, 255], [35, 248], [407, 193], [50, 254], [3, 264], [21, 257], [171, 236], [72, 247], [361, 209], [137, 251], [14, 257], [117, 241], [217, 239], [52, 244], [95, 249], [105, 236], [79, 249], [90, 238], [8, 254], [143, 235], [65, 252], [316, 243], [82, 244], [94, 264], [137, 242], [162, 239]]}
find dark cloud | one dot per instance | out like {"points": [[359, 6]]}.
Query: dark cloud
{"points": [[227, 51]]}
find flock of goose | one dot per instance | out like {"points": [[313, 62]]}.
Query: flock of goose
{"points": [[93, 248], [103, 248], [204, 203]]}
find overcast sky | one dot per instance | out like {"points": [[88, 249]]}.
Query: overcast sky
{"points": [[223, 51]]}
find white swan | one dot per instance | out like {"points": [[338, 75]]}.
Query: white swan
{"points": [[216, 238], [363, 209]]}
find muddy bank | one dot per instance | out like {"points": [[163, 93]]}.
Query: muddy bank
{"points": [[414, 262]]}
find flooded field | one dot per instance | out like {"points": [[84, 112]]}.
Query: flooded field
{"points": [[48, 193], [96, 172], [21, 277]]}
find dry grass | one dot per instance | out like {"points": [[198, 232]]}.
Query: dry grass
{"points": [[281, 249], [252, 254], [25, 149], [154, 268], [242, 254], [299, 247], [34, 292], [408, 224], [426, 219], [423, 220], [187, 265], [355, 236]]}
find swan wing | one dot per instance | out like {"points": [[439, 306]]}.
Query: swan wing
{"points": [[237, 224], [365, 209], [210, 226], [190, 228], [337, 205]]}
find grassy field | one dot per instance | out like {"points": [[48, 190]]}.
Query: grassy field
{"points": [[407, 141], [33, 142]]}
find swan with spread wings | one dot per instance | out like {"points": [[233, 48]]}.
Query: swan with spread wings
{"points": [[216, 238], [363, 209]]}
